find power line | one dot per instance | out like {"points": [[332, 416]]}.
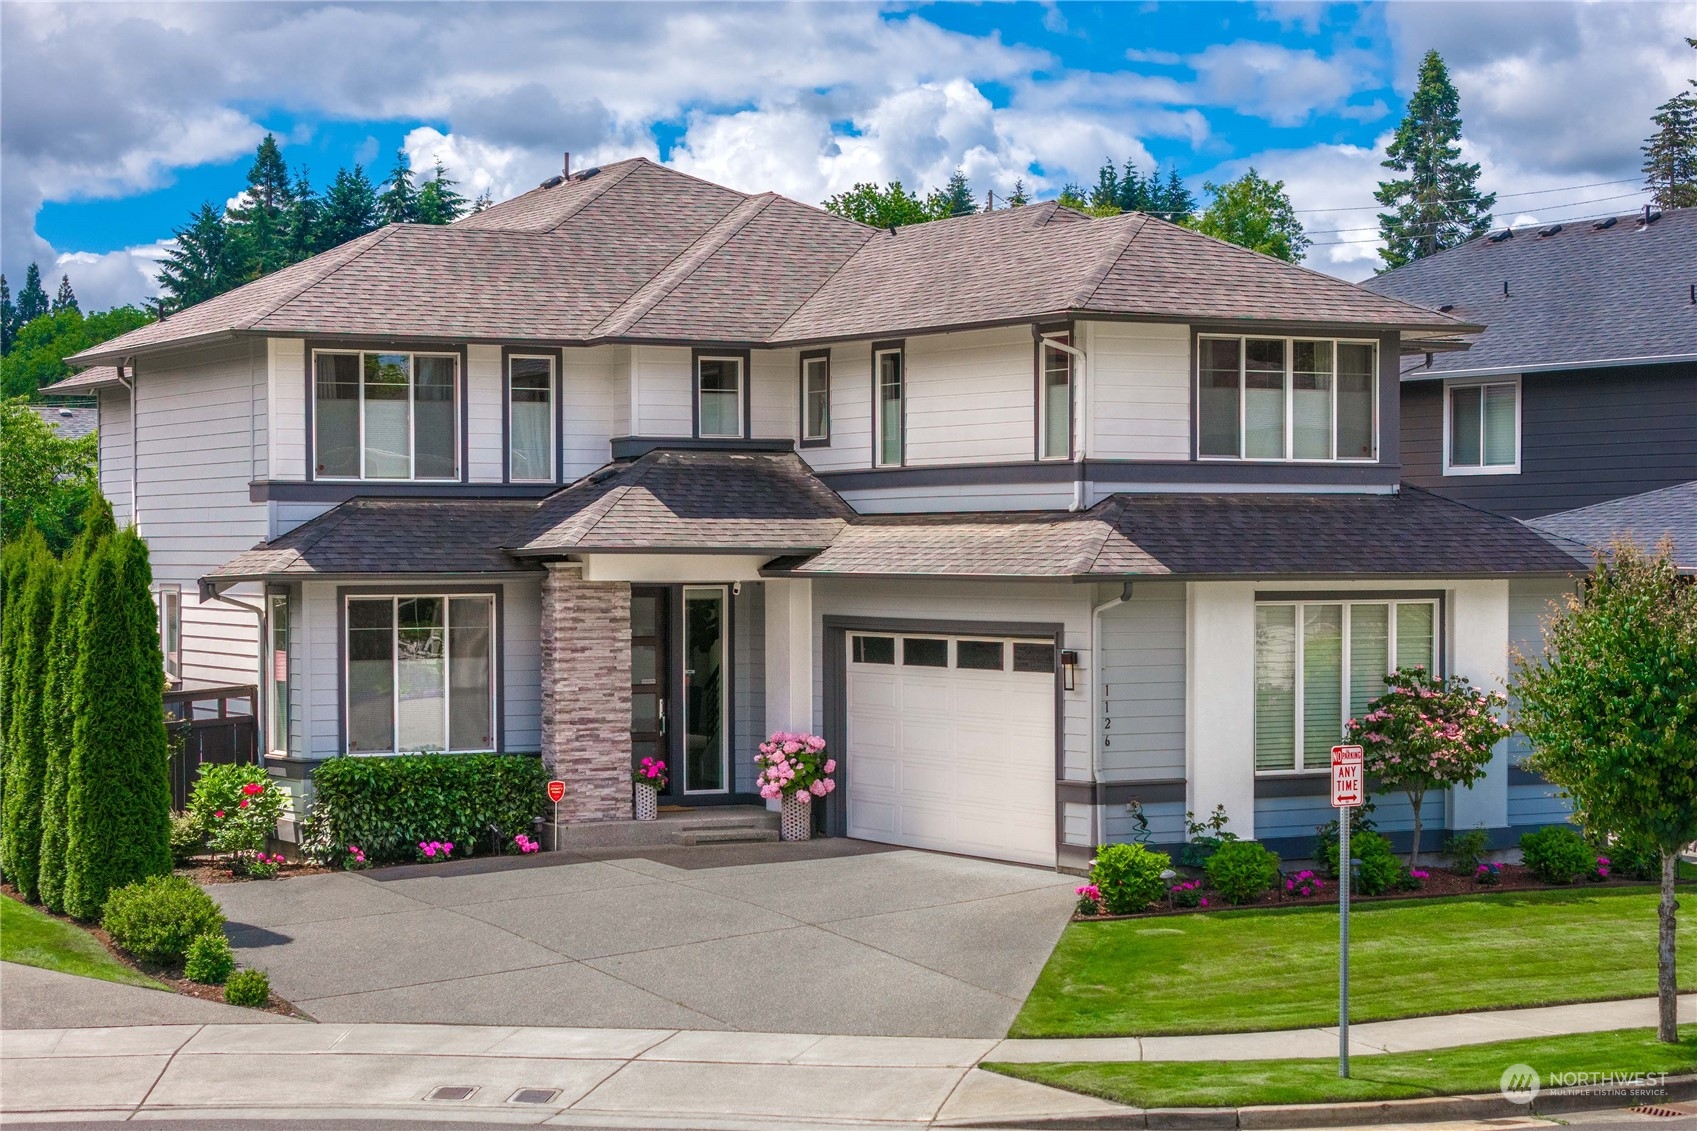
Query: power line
{"points": [[1543, 223], [1564, 204], [1500, 196]]}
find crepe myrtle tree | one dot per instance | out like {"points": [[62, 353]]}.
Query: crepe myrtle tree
{"points": [[1428, 732], [1610, 710]]}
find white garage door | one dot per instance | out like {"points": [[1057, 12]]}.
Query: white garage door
{"points": [[951, 744]]}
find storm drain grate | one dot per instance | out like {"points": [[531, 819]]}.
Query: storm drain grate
{"points": [[453, 1092], [534, 1096], [1663, 1112]]}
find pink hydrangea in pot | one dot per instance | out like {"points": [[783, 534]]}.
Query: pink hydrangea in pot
{"points": [[648, 779], [794, 770]]}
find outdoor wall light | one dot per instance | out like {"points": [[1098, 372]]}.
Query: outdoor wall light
{"points": [[1069, 669]]}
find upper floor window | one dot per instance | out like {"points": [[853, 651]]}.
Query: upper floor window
{"points": [[170, 598], [385, 415], [1482, 428], [816, 397], [1286, 399], [719, 396], [1054, 398], [420, 674], [888, 404], [530, 418]]}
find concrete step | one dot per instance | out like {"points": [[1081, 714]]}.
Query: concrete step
{"points": [[739, 822], [759, 822], [726, 836]]}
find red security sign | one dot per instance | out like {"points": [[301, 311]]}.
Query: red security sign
{"points": [[1346, 777], [556, 791]]}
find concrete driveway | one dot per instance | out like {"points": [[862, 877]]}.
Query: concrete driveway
{"points": [[832, 938]]}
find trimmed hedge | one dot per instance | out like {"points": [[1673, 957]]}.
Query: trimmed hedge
{"points": [[387, 805], [159, 918]]}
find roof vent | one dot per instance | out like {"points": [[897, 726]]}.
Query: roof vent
{"points": [[1606, 223], [1549, 231], [1499, 237], [1651, 215], [66, 413], [1446, 308], [587, 173], [551, 182]]}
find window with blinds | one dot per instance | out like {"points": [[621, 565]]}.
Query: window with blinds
{"points": [[1319, 663], [1482, 427]]}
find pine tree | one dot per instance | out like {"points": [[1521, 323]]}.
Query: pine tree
{"points": [[118, 801], [258, 224], [349, 209], [1106, 193], [8, 317], [301, 223], [953, 199], [398, 203], [59, 712], [1175, 203], [438, 201], [1019, 198], [201, 263], [1670, 157], [484, 200], [1136, 191], [26, 744], [1437, 204], [66, 299], [32, 300]]}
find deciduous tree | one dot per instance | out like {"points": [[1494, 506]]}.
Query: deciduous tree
{"points": [[882, 206], [46, 479], [1255, 213]]}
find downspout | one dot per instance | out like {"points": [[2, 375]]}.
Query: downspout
{"points": [[129, 385], [261, 702], [1080, 416], [1098, 816]]}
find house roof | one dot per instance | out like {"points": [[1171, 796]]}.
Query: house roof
{"points": [[1670, 512], [90, 379], [1577, 294], [640, 252], [71, 423]]}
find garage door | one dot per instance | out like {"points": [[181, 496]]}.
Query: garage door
{"points": [[951, 744]]}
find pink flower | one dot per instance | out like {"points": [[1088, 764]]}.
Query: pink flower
{"points": [[803, 794], [243, 803], [252, 788], [830, 765], [792, 747], [219, 814], [817, 788], [830, 784], [430, 850]]}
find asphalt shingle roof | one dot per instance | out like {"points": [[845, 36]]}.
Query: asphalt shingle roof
{"points": [[71, 423], [1582, 294], [90, 379], [1646, 519]]}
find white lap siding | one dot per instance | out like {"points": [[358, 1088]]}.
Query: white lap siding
{"points": [[775, 394], [971, 397], [663, 390], [114, 429], [485, 407], [590, 388], [1139, 390], [851, 411]]}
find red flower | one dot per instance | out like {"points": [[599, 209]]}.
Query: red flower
{"points": [[219, 814], [244, 803], [252, 788]]}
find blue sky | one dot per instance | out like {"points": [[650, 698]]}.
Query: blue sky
{"points": [[119, 120]]}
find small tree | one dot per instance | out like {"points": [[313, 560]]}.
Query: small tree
{"points": [[1610, 709], [1254, 212], [1428, 732], [882, 206], [26, 742], [118, 807]]}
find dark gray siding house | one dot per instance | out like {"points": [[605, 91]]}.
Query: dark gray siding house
{"points": [[1583, 387]]}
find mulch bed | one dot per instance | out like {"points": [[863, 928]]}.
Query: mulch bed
{"points": [[1440, 882], [205, 870]]}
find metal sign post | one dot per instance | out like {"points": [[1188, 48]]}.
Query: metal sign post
{"points": [[1346, 795], [556, 794]]}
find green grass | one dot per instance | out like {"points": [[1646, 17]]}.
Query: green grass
{"points": [[1239, 971], [32, 938], [1392, 1076]]}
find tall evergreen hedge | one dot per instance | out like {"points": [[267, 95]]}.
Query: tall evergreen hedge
{"points": [[118, 804], [26, 766], [12, 562], [58, 711]]}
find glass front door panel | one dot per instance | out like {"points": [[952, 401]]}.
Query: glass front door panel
{"points": [[649, 668], [705, 750]]}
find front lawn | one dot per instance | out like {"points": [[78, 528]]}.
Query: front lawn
{"points": [[1240, 971], [1391, 1076], [32, 938]]}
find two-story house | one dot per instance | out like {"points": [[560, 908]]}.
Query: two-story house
{"points": [[1032, 515]]}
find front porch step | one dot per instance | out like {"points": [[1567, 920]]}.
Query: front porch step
{"points": [[730, 834], [720, 825]]}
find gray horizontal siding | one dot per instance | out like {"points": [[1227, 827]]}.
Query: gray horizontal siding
{"points": [[1539, 804], [1166, 823], [1587, 436], [1142, 677]]}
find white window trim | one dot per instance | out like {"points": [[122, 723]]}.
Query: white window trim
{"points": [[553, 417], [412, 439], [878, 459], [725, 681], [1448, 411], [1290, 400], [742, 379], [272, 600], [1299, 768], [1043, 347], [807, 360], [172, 657], [495, 743]]}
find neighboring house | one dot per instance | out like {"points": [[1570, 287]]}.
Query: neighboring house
{"points": [[1669, 514], [1032, 515], [73, 422], [1583, 386]]}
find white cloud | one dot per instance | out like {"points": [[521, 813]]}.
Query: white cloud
{"points": [[113, 278]]}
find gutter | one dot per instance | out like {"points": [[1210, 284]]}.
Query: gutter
{"points": [[1080, 414]]}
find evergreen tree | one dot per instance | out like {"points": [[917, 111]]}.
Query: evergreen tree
{"points": [[484, 200], [12, 565], [8, 317], [953, 199], [1019, 198], [398, 203], [890, 206], [118, 800], [59, 710], [258, 224], [1175, 203], [439, 202], [32, 300], [26, 743], [301, 223], [1670, 157], [1255, 213], [1106, 193], [1437, 203], [202, 261], [66, 299], [349, 209]]}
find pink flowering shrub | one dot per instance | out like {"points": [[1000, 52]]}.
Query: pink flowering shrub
{"points": [[356, 857], [263, 866], [1428, 732], [1304, 883], [1601, 872], [237, 808], [794, 765], [1187, 893], [650, 771], [1089, 899], [1490, 874], [434, 849], [526, 845], [1419, 875]]}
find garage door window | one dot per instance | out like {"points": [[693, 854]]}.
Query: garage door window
{"points": [[1034, 658], [874, 649], [979, 655], [921, 653]]}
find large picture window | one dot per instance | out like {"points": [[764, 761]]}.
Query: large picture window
{"points": [[1319, 663], [385, 415], [816, 397], [420, 674], [718, 396], [888, 400], [1286, 399], [530, 419], [1482, 428], [1054, 399]]}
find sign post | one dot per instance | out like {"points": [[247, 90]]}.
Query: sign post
{"points": [[1346, 795], [556, 794]]}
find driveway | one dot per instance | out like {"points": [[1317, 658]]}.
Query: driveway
{"points": [[835, 937]]}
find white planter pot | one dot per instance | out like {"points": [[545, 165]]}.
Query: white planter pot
{"points": [[796, 818], [647, 802]]}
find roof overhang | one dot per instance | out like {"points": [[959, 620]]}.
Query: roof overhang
{"points": [[1550, 366]]}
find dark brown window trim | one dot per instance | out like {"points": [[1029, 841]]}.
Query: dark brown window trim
{"points": [[372, 345], [801, 382], [559, 384], [695, 356]]}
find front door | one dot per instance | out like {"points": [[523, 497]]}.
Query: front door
{"points": [[650, 673], [706, 752]]}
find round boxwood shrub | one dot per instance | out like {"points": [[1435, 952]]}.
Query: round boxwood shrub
{"points": [[1242, 871], [1556, 854], [248, 987], [1129, 876], [1382, 870], [156, 919], [210, 960]]}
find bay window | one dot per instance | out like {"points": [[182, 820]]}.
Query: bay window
{"points": [[1286, 399], [383, 415], [888, 402], [530, 419], [1482, 428], [1319, 663], [420, 674], [718, 396], [1054, 399]]}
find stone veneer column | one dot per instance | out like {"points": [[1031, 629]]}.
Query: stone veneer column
{"points": [[585, 648]]}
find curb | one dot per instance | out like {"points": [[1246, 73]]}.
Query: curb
{"points": [[1432, 1109]]}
